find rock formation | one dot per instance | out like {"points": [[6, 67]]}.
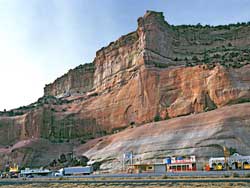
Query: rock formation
{"points": [[79, 80], [228, 126], [157, 72]]}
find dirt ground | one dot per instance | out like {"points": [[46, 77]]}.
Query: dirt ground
{"points": [[171, 185]]}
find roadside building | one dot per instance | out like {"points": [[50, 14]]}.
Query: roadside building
{"points": [[147, 168], [169, 164], [234, 162], [180, 163]]}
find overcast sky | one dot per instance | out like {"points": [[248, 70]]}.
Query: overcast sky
{"points": [[41, 39]]}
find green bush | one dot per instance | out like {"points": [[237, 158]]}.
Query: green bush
{"points": [[206, 57], [243, 100], [96, 166], [83, 160], [62, 158], [160, 65], [157, 118], [195, 58], [53, 163], [216, 56], [82, 141]]}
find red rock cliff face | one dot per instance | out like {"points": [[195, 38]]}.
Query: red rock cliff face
{"points": [[156, 38], [80, 80], [197, 89], [157, 72], [168, 93], [203, 135], [116, 63], [155, 83]]}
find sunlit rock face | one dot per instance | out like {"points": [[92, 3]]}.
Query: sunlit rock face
{"points": [[202, 135], [146, 73], [76, 81], [157, 72]]}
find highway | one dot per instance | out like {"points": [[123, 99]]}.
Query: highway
{"points": [[169, 174], [144, 179]]}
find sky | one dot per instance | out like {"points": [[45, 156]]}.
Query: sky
{"points": [[41, 40]]}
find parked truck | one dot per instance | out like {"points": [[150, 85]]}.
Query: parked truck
{"points": [[78, 170], [27, 172]]}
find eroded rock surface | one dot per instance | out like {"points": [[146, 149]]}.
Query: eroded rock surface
{"points": [[157, 72], [203, 135]]}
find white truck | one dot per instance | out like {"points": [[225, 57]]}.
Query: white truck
{"points": [[78, 170], [27, 172]]}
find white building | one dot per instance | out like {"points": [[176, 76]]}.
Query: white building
{"points": [[234, 162]]}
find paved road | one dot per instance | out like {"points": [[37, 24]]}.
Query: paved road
{"points": [[120, 182], [213, 175], [171, 174]]}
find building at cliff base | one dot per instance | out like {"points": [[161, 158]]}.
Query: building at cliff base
{"points": [[235, 162]]}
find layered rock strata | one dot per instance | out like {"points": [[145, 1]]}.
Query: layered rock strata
{"points": [[203, 135], [155, 73]]}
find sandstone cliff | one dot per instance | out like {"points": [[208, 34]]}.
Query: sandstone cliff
{"points": [[156, 73], [156, 57], [203, 135], [78, 80]]}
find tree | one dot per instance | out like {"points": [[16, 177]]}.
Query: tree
{"points": [[83, 160], [62, 158], [96, 166], [206, 57], [195, 58], [232, 151], [157, 118], [53, 163], [199, 25], [75, 162]]}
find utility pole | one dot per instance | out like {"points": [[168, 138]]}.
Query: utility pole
{"points": [[226, 156]]}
